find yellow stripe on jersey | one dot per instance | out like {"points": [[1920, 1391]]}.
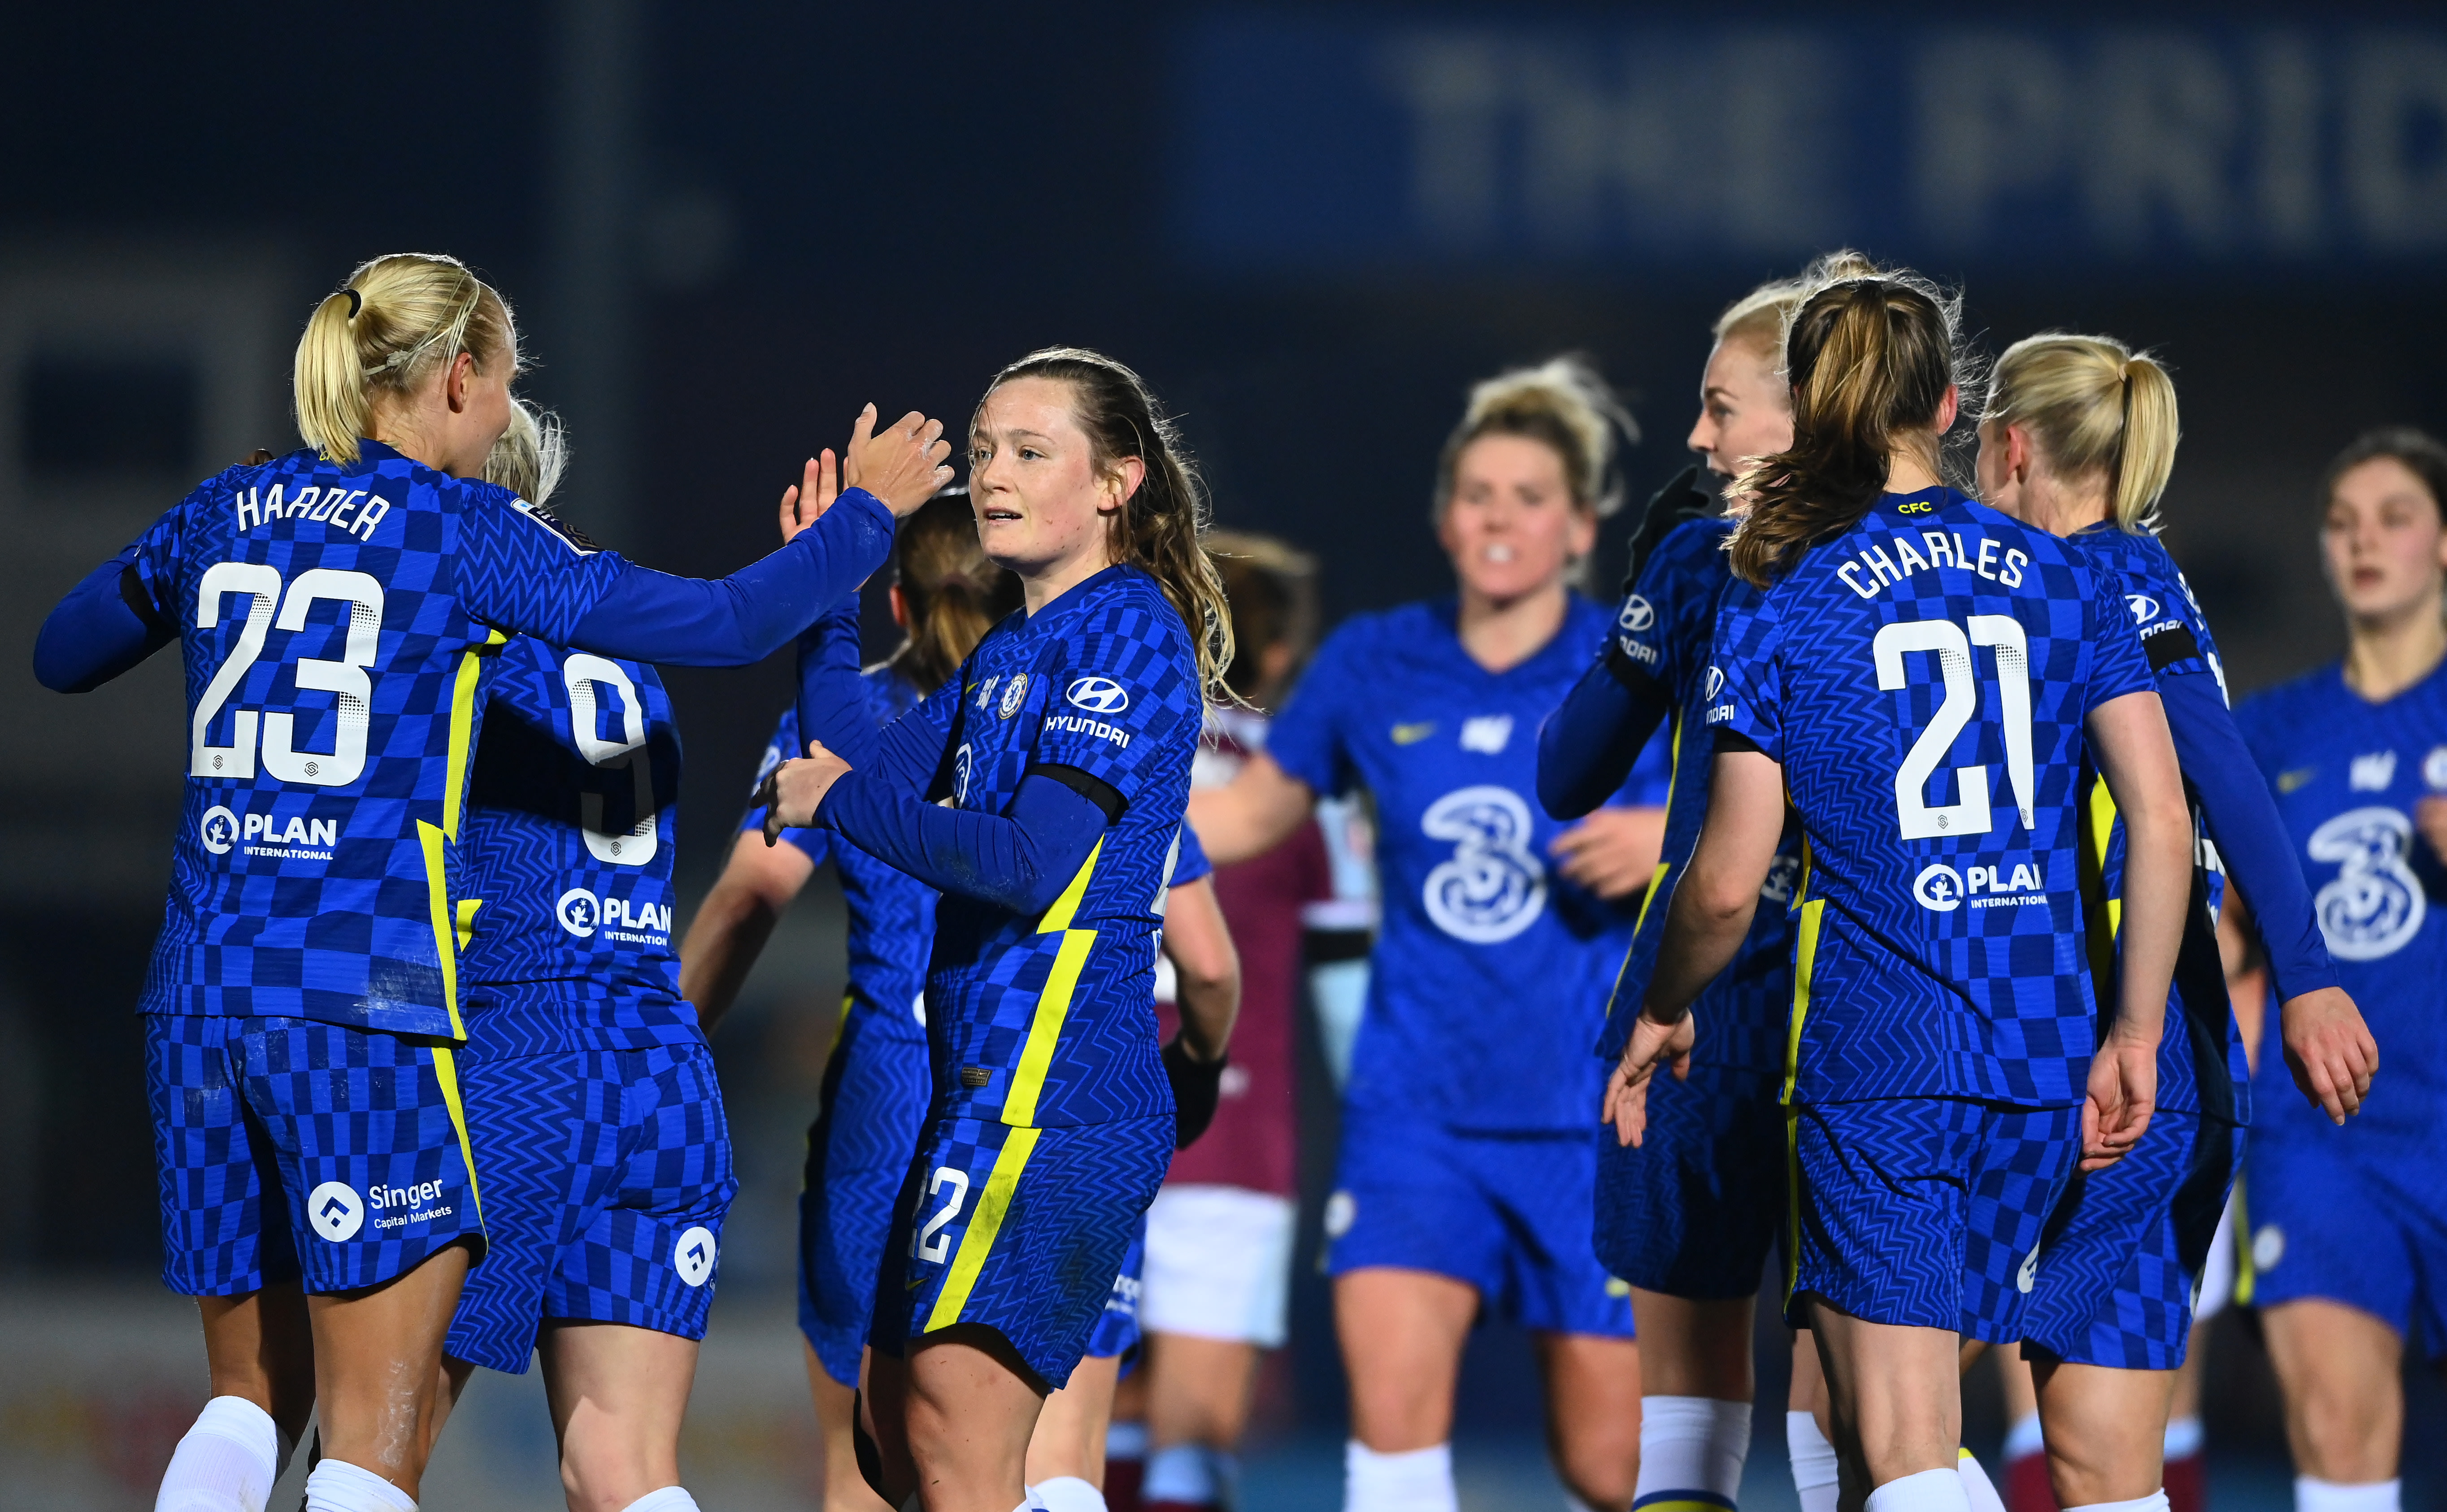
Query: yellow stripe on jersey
{"points": [[463, 729], [1053, 1004], [2102, 826], [446, 940], [971, 1259], [2246, 1272], [1684, 1503], [1656, 885], [1805, 956], [1793, 1201], [445, 1071], [467, 907]]}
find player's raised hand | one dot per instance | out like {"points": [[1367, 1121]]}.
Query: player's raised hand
{"points": [[793, 791], [2329, 1049], [902, 466], [2123, 1093], [805, 502], [1626, 1093]]}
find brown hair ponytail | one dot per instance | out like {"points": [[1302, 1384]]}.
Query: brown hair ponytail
{"points": [[1871, 357], [954, 593], [1157, 529]]}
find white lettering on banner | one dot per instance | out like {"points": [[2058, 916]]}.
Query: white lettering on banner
{"points": [[2125, 139]]}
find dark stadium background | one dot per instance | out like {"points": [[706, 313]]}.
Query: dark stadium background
{"points": [[726, 226]]}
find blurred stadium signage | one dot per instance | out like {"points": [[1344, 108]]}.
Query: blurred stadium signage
{"points": [[1373, 137]]}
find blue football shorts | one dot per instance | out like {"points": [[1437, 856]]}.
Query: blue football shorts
{"points": [[877, 1086], [1926, 1212], [607, 1175], [1117, 1327], [1508, 1213], [2124, 1249], [1694, 1209], [2359, 1220], [1021, 1230], [289, 1148]]}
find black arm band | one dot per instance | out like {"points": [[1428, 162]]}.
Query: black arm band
{"points": [[1725, 740], [141, 604], [1635, 679], [2170, 645], [1094, 789]]}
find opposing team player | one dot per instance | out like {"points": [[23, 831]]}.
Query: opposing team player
{"points": [[1918, 671], [1691, 1184], [2349, 1225], [336, 607], [1066, 759], [1466, 1168], [2078, 438]]}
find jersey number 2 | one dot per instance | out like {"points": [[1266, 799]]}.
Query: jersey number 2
{"points": [[931, 1243], [2003, 633], [347, 679]]}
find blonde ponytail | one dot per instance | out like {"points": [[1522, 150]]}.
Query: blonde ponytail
{"points": [[397, 321], [2097, 409]]}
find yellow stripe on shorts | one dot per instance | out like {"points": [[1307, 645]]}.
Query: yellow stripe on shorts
{"points": [[446, 1072], [975, 1244]]}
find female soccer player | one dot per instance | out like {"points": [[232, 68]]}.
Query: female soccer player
{"points": [[585, 1079], [2078, 438], [1220, 1234], [1066, 759], [947, 594], [1888, 627], [335, 605], [1691, 1187], [1466, 1167], [2349, 1225]]}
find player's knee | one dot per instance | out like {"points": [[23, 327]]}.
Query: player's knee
{"points": [[606, 1471]]}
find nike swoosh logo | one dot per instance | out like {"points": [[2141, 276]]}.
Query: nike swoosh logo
{"points": [[2287, 782], [1412, 734]]}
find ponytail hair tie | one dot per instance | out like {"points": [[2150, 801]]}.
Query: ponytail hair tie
{"points": [[356, 302]]}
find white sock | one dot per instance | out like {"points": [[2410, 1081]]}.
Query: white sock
{"points": [[1125, 1440], [227, 1463], [669, 1499], [1690, 1449], [1813, 1463], [2329, 1496], [338, 1486], [2155, 1501], [2183, 1437], [1926, 1491], [1066, 1493], [2025, 1437], [1975, 1484], [1413, 1481], [1191, 1473]]}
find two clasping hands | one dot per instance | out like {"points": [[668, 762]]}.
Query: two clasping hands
{"points": [[902, 466]]}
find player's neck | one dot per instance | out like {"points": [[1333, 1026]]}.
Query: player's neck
{"points": [[1501, 633], [1908, 470], [1040, 587], [2060, 509], [2383, 658]]}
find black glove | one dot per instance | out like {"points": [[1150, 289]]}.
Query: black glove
{"points": [[1681, 499], [1197, 1087]]}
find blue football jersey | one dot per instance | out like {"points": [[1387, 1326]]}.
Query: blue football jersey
{"points": [[573, 824], [1922, 677], [2347, 774], [2201, 1063], [1665, 625], [338, 624], [1489, 982], [891, 914], [1048, 1020]]}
